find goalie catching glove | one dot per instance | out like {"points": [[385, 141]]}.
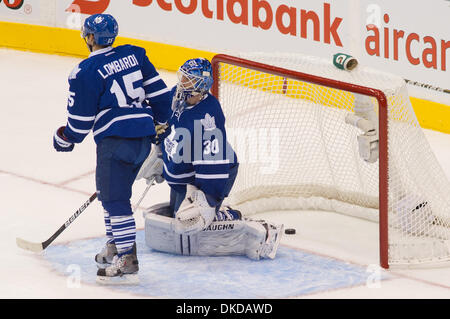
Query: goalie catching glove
{"points": [[152, 168], [194, 213]]}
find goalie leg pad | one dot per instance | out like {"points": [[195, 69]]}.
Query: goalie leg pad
{"points": [[218, 239], [163, 209], [221, 238], [159, 234], [263, 239]]}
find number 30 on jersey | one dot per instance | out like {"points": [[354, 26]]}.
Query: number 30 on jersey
{"points": [[211, 147]]}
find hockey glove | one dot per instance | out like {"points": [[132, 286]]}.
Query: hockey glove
{"points": [[152, 168], [162, 131], [60, 142], [194, 213]]}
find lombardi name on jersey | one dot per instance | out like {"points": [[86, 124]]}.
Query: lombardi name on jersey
{"points": [[118, 65]]}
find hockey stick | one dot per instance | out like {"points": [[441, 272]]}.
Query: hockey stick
{"points": [[150, 184], [428, 86], [38, 247]]}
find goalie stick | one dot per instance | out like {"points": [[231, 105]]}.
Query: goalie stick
{"points": [[38, 247], [150, 184]]}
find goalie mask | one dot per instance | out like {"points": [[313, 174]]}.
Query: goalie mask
{"points": [[194, 78]]}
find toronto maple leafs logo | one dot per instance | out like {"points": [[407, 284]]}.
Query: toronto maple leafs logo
{"points": [[209, 123], [193, 63], [178, 108], [99, 19], [170, 144], [73, 74]]}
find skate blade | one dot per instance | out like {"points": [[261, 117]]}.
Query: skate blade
{"points": [[276, 244], [129, 279]]}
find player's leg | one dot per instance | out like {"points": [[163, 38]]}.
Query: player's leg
{"points": [[227, 213], [105, 257], [231, 179], [118, 162], [228, 186], [177, 195]]}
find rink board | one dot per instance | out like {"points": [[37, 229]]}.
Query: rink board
{"points": [[294, 273]]}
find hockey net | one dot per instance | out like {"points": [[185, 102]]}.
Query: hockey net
{"points": [[286, 120]]}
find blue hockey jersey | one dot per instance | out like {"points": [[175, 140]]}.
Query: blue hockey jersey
{"points": [[197, 151], [116, 92]]}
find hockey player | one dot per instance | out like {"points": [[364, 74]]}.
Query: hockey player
{"points": [[200, 167], [196, 151], [118, 94]]}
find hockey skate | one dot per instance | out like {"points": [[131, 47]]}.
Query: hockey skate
{"points": [[106, 256], [122, 271], [270, 247]]}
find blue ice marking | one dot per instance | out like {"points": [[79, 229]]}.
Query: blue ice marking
{"points": [[291, 274]]}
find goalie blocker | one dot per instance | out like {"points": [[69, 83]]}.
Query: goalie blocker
{"points": [[255, 239]]}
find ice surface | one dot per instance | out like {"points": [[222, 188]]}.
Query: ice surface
{"points": [[40, 189], [293, 273]]}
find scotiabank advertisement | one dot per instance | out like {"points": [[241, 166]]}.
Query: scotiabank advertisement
{"points": [[410, 38]]}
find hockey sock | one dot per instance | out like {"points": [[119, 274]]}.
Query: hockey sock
{"points": [[109, 233], [124, 231]]}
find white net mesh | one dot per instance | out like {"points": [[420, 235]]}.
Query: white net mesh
{"points": [[297, 152]]}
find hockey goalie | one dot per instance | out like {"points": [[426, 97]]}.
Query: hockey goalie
{"points": [[200, 167]]}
